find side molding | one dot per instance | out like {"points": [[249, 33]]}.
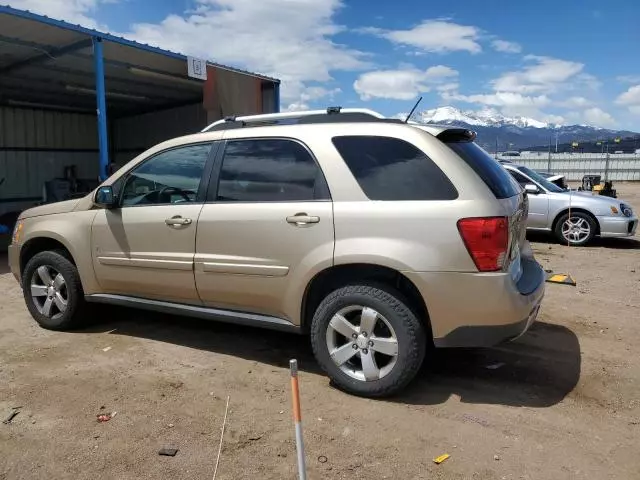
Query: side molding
{"points": [[228, 316]]}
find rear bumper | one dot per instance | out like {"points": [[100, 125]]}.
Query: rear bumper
{"points": [[481, 309], [618, 226]]}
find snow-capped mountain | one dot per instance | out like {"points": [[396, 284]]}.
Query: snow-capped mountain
{"points": [[487, 117], [509, 133]]}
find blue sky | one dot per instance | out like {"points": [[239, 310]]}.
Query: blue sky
{"points": [[559, 61]]}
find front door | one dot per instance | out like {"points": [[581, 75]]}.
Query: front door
{"points": [[145, 248], [268, 223], [538, 203]]}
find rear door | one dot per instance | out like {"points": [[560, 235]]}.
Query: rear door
{"points": [[267, 222]]}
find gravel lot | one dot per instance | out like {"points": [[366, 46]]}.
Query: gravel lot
{"points": [[564, 401]]}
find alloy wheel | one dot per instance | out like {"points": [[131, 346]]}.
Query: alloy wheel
{"points": [[49, 291], [576, 229], [362, 343]]}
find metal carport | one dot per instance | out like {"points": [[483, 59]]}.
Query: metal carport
{"points": [[73, 96]]}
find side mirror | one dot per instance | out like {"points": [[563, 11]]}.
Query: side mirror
{"points": [[105, 197], [532, 189]]}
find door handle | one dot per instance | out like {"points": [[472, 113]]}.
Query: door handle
{"points": [[302, 219], [177, 220]]}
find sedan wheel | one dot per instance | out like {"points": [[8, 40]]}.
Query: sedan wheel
{"points": [[577, 229]]}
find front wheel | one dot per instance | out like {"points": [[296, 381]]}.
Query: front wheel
{"points": [[368, 340], [577, 230], [52, 290]]}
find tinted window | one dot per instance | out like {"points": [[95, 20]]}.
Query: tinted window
{"points": [[269, 170], [169, 177], [391, 169], [487, 168]]}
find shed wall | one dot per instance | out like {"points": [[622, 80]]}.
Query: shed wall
{"points": [[36, 145]]}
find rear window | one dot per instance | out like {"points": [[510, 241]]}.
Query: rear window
{"points": [[388, 168], [489, 170]]}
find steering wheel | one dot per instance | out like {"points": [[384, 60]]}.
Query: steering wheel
{"points": [[179, 191]]}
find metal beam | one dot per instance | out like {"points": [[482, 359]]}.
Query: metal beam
{"points": [[101, 103], [49, 54], [115, 39]]}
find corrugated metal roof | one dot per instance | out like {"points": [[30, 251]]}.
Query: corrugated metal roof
{"points": [[42, 37]]}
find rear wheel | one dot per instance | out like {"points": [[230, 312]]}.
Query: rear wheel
{"points": [[577, 230], [52, 290], [368, 340]]}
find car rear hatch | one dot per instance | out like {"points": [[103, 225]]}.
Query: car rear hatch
{"points": [[509, 194]]}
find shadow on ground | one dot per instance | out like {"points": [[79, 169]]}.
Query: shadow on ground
{"points": [[538, 370], [4, 264], [624, 243]]}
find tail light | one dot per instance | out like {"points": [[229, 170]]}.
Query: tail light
{"points": [[487, 240]]}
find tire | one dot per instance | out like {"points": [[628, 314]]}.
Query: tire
{"points": [[66, 290], [393, 319], [581, 220]]}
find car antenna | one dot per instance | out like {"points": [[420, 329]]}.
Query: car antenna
{"points": [[406, 120]]}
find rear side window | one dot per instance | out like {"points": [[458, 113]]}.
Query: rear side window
{"points": [[388, 168], [269, 170], [488, 169]]}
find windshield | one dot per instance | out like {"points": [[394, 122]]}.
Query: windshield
{"points": [[536, 177]]}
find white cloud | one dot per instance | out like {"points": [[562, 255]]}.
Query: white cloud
{"points": [[546, 75], [576, 102], [501, 99], [435, 36], [628, 78], [584, 81], [72, 11], [290, 40], [448, 87], [630, 97], [401, 84], [506, 47], [598, 117], [310, 94]]}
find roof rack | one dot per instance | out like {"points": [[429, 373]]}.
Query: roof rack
{"points": [[330, 115]]}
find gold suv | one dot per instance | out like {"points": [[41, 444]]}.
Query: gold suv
{"points": [[377, 237]]}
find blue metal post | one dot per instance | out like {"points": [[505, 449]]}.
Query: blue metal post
{"points": [[101, 102], [276, 90]]}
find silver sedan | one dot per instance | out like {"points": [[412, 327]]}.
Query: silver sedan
{"points": [[591, 215]]}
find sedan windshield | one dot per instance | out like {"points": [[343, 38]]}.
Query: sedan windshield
{"points": [[539, 179]]}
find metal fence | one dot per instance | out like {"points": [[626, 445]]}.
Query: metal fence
{"points": [[621, 167]]}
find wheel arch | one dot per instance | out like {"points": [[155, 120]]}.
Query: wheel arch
{"points": [[336, 276], [42, 243], [576, 209]]}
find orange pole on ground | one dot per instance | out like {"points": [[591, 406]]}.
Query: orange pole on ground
{"points": [[297, 419]]}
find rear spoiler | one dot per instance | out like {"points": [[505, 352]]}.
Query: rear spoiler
{"points": [[457, 135]]}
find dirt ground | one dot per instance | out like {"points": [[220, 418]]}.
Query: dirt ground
{"points": [[564, 401]]}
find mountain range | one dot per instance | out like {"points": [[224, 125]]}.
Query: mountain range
{"points": [[517, 133]]}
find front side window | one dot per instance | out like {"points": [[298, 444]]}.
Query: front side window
{"points": [[269, 170], [536, 177], [388, 168], [170, 177], [521, 179]]}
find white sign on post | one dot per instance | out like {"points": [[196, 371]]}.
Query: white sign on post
{"points": [[197, 68]]}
